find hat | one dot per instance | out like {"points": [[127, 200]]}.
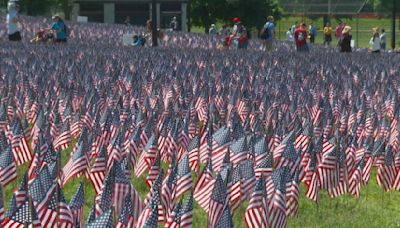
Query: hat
{"points": [[55, 16], [346, 29], [236, 20]]}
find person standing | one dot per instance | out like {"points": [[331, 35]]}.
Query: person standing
{"points": [[213, 30], [327, 34], [127, 21], [289, 35], [239, 35], [383, 39], [345, 41], [300, 37], [375, 41], [313, 33], [58, 27], [174, 24], [12, 21], [224, 31], [339, 30], [268, 34]]}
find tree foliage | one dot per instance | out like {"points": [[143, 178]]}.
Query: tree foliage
{"points": [[253, 13]]}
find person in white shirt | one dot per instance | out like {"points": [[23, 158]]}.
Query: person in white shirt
{"points": [[12, 20], [375, 42], [289, 35]]}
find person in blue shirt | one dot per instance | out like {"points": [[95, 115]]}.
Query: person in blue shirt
{"points": [[313, 32], [58, 27], [268, 33]]}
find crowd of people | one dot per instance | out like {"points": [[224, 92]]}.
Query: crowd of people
{"points": [[58, 31], [238, 38]]}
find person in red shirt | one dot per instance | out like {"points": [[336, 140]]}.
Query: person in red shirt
{"points": [[300, 37]]}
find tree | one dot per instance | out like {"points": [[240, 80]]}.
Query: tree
{"points": [[254, 13], [206, 12]]}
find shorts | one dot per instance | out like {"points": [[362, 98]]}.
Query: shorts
{"points": [[15, 37]]}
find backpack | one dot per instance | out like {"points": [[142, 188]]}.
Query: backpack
{"points": [[66, 29], [265, 35]]}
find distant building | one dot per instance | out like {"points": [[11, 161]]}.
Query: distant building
{"points": [[139, 11]]}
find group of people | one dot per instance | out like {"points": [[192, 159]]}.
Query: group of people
{"points": [[58, 31]]}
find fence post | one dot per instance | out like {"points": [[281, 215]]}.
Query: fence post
{"points": [[358, 28], [394, 25]]}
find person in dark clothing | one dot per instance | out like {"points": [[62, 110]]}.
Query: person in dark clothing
{"points": [[345, 40]]}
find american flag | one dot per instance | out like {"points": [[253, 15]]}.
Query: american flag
{"points": [[355, 180], [235, 189], [23, 216], [64, 139], [98, 170], [20, 147], [77, 204], [77, 164], [219, 147], [121, 188], [105, 220], [225, 219], [265, 166], [104, 199], [154, 171], [386, 171], [278, 201], [218, 202], [257, 213], [126, 219], [147, 157], [149, 217], [184, 180], [193, 152], [8, 169], [249, 177], [292, 196], [182, 216], [238, 150]]}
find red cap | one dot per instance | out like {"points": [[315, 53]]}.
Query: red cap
{"points": [[236, 20]]}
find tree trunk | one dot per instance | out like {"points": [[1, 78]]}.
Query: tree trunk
{"points": [[206, 28]]}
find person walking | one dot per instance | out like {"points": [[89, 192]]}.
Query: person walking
{"points": [[313, 32], [383, 39], [268, 33], [59, 29], [300, 37], [375, 41], [12, 21], [345, 41], [327, 34]]}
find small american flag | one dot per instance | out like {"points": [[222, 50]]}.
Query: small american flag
{"points": [[257, 214], [218, 202], [184, 180], [77, 204], [105, 220], [8, 169]]}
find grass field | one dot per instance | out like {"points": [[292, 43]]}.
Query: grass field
{"points": [[373, 209], [364, 29]]}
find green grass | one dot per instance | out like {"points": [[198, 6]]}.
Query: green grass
{"points": [[364, 29], [373, 209]]}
